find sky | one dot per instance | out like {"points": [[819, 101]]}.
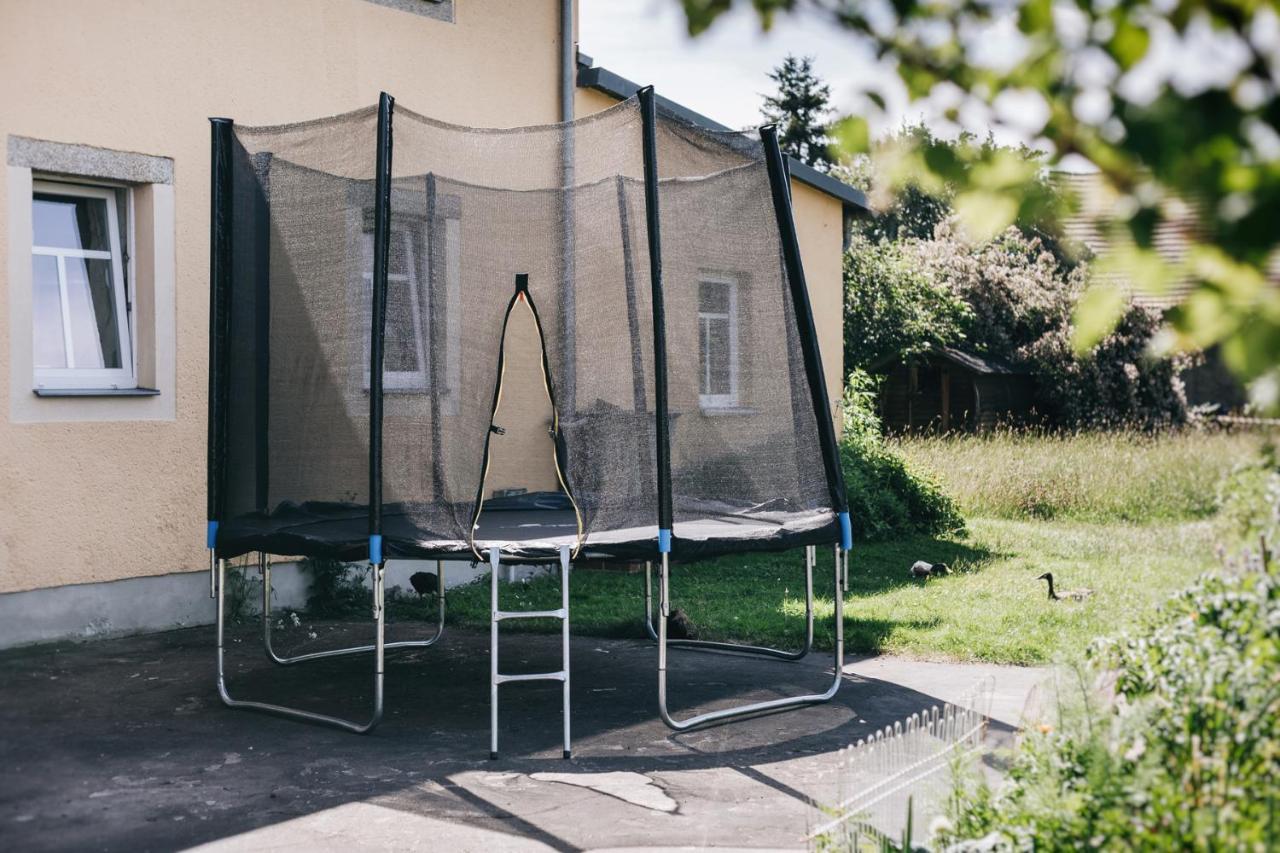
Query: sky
{"points": [[723, 73]]}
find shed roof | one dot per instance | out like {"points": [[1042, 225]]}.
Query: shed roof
{"points": [[978, 363], [970, 361], [591, 76]]}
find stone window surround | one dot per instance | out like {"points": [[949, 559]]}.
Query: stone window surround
{"points": [[150, 180], [440, 10]]}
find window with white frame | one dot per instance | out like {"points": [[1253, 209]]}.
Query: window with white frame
{"points": [[408, 344], [404, 354], [81, 330], [718, 342]]}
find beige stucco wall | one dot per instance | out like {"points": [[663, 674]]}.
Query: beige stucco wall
{"points": [[820, 223], [102, 500], [85, 499]]}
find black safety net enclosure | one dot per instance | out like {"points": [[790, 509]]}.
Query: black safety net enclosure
{"points": [[365, 269]]}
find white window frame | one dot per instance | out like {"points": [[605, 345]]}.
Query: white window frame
{"points": [[72, 377], [401, 380], [718, 401]]}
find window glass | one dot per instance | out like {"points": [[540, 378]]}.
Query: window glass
{"points": [[715, 356], [91, 303], [46, 309], [70, 222], [717, 343], [80, 324], [713, 298], [403, 347], [400, 353]]}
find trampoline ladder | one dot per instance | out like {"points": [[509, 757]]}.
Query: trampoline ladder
{"points": [[496, 678]]}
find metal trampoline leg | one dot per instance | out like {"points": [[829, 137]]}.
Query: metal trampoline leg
{"points": [[379, 615], [264, 567], [664, 605], [738, 648]]}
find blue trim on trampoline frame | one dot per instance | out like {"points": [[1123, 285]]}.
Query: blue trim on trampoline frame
{"points": [[846, 532], [375, 548], [211, 535], [664, 541]]}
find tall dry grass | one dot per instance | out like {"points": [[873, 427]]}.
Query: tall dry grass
{"points": [[1088, 476]]}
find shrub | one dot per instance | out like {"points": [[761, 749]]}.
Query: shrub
{"points": [[1117, 384], [1249, 497], [887, 496], [893, 307], [337, 588]]}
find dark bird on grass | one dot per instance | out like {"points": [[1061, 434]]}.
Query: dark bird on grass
{"points": [[425, 583], [921, 569], [680, 626], [1067, 594]]}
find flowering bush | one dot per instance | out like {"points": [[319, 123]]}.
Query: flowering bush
{"points": [[1116, 384], [1016, 290], [1011, 298]]}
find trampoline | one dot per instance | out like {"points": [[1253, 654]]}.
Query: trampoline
{"points": [[362, 283]]}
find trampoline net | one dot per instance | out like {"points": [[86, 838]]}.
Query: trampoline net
{"points": [[471, 209]]}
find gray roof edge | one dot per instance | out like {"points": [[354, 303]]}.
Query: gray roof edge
{"points": [[977, 363], [602, 79]]}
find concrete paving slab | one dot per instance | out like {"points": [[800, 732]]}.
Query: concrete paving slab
{"points": [[123, 745], [1012, 687]]}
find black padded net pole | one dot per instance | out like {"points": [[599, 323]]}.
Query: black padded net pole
{"points": [[381, 251], [648, 113], [779, 184], [219, 318], [261, 260]]}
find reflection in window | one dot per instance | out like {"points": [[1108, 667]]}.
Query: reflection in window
{"points": [[80, 331]]}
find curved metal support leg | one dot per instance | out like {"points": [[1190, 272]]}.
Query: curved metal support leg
{"points": [[379, 615], [264, 567], [664, 606], [739, 648]]}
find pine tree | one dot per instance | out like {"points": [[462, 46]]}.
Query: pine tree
{"points": [[799, 109]]}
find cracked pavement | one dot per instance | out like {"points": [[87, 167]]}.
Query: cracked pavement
{"points": [[123, 745]]}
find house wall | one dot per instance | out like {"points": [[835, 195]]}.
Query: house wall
{"points": [[97, 491]]}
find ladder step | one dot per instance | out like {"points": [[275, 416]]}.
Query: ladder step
{"points": [[532, 676], [530, 614]]}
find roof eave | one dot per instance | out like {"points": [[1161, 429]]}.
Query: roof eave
{"points": [[603, 80]]}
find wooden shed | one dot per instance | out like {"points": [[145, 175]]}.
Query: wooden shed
{"points": [[948, 389]]}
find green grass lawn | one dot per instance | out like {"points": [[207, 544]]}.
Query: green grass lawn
{"points": [[990, 609], [1130, 517]]}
